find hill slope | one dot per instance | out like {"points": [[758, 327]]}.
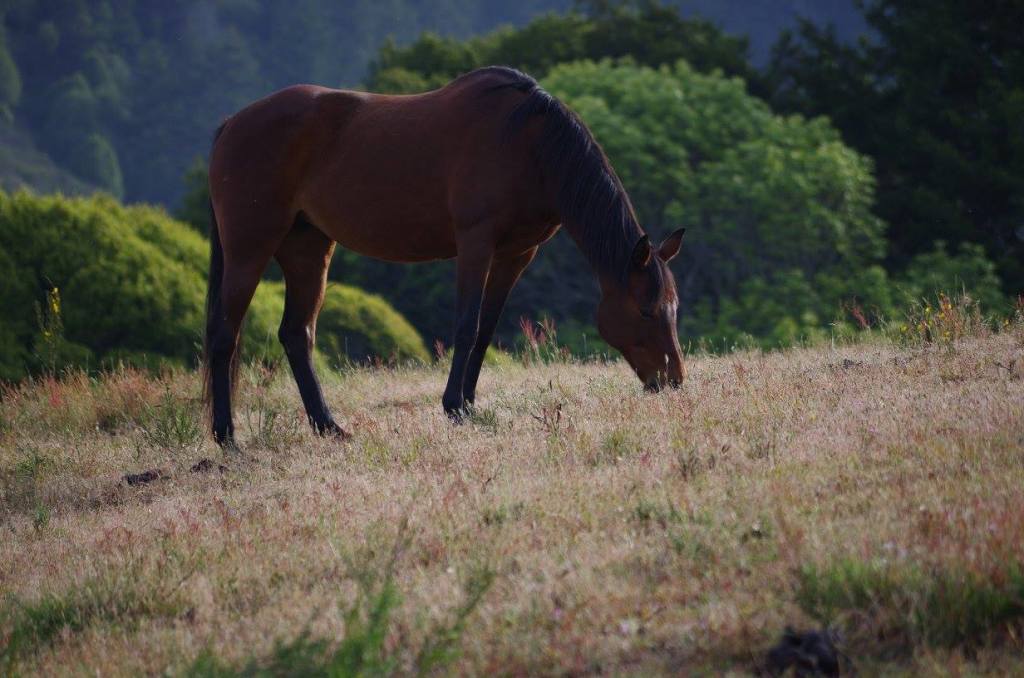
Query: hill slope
{"points": [[125, 95], [874, 487], [22, 165]]}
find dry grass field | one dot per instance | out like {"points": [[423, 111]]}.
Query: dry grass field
{"points": [[574, 525]]}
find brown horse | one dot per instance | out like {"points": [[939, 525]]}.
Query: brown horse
{"points": [[484, 169]]}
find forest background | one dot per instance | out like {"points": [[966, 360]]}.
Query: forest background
{"points": [[832, 161]]}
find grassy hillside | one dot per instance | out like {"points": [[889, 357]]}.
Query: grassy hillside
{"points": [[576, 525]]}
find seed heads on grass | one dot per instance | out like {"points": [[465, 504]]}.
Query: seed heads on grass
{"points": [[364, 649], [20, 485], [116, 597], [690, 464], [31, 465], [762, 445], [652, 513]]}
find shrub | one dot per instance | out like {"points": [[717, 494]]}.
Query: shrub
{"points": [[132, 284], [120, 289], [968, 270], [354, 325]]}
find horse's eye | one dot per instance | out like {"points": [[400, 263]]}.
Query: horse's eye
{"points": [[647, 314]]}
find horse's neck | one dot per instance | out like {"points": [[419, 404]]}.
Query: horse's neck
{"points": [[606, 247]]}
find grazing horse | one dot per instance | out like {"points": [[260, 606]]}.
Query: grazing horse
{"points": [[485, 170]]}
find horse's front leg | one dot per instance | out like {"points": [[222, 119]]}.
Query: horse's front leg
{"points": [[473, 266], [503, 277]]}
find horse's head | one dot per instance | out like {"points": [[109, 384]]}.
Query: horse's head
{"points": [[638, 316]]}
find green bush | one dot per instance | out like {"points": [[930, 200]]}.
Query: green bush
{"points": [[118, 290], [354, 325], [969, 270], [131, 286]]}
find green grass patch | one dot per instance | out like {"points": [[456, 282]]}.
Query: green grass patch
{"points": [[175, 423], [27, 626], [363, 650], [909, 603]]}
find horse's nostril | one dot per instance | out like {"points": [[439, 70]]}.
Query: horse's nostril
{"points": [[652, 386]]}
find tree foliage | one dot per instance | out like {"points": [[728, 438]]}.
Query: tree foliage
{"points": [[936, 96], [779, 200], [648, 32]]}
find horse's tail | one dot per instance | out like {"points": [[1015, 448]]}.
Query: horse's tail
{"points": [[214, 282]]}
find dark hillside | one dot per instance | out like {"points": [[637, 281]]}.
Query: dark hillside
{"points": [[124, 95]]}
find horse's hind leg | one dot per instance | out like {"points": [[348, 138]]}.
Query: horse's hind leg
{"points": [[239, 284], [304, 256]]}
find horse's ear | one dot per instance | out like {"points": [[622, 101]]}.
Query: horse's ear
{"points": [[641, 253], [670, 248]]}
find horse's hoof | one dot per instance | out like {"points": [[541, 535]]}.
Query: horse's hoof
{"points": [[226, 442], [332, 430], [456, 416]]}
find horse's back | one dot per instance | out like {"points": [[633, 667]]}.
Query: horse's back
{"points": [[390, 176]]}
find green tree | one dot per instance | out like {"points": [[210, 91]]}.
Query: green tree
{"points": [[938, 271], [649, 32], [763, 197], [936, 96], [95, 160]]}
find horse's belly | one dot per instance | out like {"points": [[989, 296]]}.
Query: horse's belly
{"points": [[400, 240]]}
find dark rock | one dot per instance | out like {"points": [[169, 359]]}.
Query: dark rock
{"points": [[810, 653], [144, 478], [207, 465]]}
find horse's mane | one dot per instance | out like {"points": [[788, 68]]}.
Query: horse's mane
{"points": [[590, 198]]}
